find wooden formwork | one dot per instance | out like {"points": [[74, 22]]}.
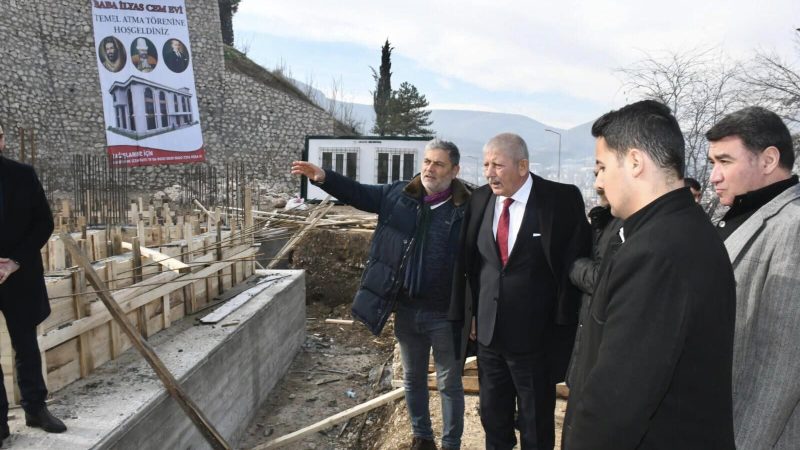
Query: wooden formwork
{"points": [[79, 335]]}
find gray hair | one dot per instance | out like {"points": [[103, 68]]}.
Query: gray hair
{"points": [[510, 143], [449, 147]]}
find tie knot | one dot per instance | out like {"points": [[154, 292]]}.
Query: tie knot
{"points": [[507, 202]]}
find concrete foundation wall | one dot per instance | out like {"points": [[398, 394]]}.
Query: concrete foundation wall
{"points": [[228, 371], [231, 382]]}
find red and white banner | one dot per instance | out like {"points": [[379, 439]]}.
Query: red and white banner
{"points": [[147, 84]]}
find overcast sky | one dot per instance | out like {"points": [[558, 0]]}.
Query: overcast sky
{"points": [[552, 61]]}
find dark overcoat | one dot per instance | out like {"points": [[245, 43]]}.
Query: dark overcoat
{"points": [[25, 226], [653, 366]]}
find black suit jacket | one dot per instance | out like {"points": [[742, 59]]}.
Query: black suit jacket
{"points": [[565, 236], [25, 227]]}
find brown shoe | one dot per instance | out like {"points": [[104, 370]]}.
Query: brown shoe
{"points": [[419, 443]]}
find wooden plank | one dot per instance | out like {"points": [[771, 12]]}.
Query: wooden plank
{"points": [[100, 316], [339, 321], [114, 337], [173, 387], [169, 262], [166, 311], [79, 301], [310, 223], [333, 420]]}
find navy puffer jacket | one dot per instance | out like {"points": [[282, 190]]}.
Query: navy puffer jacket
{"points": [[398, 207]]}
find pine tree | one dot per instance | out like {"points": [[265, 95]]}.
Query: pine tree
{"points": [[408, 114], [227, 8], [382, 95]]}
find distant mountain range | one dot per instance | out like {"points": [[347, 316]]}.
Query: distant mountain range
{"points": [[471, 129]]}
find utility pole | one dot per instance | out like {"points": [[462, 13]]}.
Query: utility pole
{"points": [[559, 150]]}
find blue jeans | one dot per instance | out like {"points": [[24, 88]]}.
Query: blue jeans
{"points": [[417, 331]]}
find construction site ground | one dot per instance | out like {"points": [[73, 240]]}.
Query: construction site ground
{"points": [[341, 366]]}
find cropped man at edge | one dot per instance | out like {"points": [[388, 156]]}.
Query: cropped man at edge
{"points": [[753, 155]]}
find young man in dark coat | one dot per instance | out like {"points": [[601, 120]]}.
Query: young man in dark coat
{"points": [[521, 235], [653, 367], [410, 269], [25, 226]]}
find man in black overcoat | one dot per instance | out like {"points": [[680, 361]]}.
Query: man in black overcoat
{"points": [[25, 226], [512, 292], [652, 369]]}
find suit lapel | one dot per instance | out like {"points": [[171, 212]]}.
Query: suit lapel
{"points": [[544, 209], [737, 241], [478, 204], [487, 245]]}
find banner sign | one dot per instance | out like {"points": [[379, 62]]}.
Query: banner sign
{"points": [[147, 82]]}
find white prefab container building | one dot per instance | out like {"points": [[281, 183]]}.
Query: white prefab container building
{"points": [[368, 159]]}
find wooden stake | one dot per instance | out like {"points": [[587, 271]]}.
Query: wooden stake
{"points": [[311, 221], [79, 303], [170, 383], [248, 211]]}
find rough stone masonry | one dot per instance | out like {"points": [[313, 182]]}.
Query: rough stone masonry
{"points": [[49, 82]]}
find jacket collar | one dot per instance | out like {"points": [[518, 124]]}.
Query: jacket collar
{"points": [[737, 241], [671, 201], [415, 189]]}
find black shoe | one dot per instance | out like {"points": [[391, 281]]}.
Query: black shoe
{"points": [[419, 443], [4, 431], [46, 421]]}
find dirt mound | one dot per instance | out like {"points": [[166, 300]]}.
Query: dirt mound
{"points": [[333, 261]]}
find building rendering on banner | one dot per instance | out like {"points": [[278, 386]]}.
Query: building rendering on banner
{"points": [[144, 108]]}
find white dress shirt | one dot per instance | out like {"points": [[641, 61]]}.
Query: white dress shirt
{"points": [[516, 211]]}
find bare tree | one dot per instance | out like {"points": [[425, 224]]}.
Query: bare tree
{"points": [[773, 82], [700, 86], [340, 109]]}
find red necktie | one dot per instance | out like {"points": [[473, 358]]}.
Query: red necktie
{"points": [[502, 230]]}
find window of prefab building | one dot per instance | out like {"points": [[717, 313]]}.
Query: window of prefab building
{"points": [[327, 160], [408, 166], [339, 163], [395, 165], [352, 164], [383, 168], [343, 160]]}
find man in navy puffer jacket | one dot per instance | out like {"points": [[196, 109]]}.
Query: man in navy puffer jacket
{"points": [[410, 270]]}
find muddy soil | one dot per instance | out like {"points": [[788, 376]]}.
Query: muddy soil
{"points": [[339, 366]]}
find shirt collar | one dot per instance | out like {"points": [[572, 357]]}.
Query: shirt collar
{"points": [[522, 194]]}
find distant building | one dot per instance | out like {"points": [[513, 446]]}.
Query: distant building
{"points": [[144, 108], [367, 159]]}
